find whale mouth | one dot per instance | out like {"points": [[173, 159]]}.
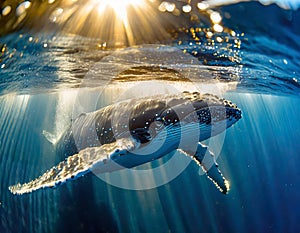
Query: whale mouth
{"points": [[235, 113], [232, 111]]}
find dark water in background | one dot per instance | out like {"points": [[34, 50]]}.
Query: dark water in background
{"points": [[260, 154]]}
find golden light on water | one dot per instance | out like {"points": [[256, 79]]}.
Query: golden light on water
{"points": [[6, 10], [218, 28], [187, 8], [202, 5], [215, 17], [120, 23], [167, 6]]}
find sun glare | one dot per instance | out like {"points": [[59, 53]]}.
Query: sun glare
{"points": [[120, 7]]}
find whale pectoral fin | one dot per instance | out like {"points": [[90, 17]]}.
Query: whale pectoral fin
{"points": [[77, 165], [206, 160]]}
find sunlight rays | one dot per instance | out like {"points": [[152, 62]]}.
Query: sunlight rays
{"points": [[116, 21]]}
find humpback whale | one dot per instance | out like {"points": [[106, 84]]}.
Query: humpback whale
{"points": [[136, 131]]}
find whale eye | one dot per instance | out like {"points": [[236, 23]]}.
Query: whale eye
{"points": [[157, 125]]}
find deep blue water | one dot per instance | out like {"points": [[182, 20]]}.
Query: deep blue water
{"points": [[259, 154]]}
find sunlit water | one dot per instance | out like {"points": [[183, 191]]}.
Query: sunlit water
{"points": [[258, 66]]}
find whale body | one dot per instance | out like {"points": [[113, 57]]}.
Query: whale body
{"points": [[136, 131]]}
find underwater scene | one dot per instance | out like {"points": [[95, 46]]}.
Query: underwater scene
{"points": [[149, 116]]}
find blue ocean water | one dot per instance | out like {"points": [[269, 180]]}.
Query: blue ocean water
{"points": [[259, 154]]}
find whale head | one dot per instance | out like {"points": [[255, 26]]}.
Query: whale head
{"points": [[207, 113], [183, 113]]}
